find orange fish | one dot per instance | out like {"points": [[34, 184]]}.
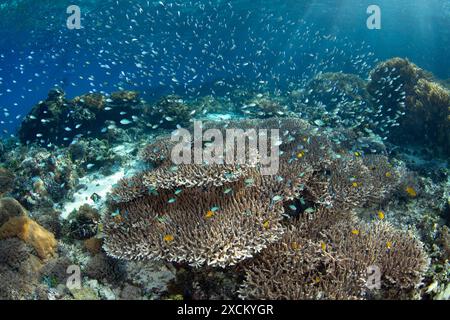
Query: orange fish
{"points": [[168, 238], [411, 192], [209, 214]]}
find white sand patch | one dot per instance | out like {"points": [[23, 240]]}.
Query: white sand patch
{"points": [[100, 186]]}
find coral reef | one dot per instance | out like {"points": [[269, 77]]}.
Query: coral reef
{"points": [[59, 121], [242, 225], [104, 268], [220, 215], [416, 107], [334, 99], [351, 192], [263, 106], [168, 112]]}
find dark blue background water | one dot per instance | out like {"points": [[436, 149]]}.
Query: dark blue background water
{"points": [[238, 42]]}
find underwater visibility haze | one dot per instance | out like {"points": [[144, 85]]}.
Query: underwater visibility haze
{"points": [[229, 149]]}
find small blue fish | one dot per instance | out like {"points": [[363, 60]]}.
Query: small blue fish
{"points": [[125, 121], [115, 213]]}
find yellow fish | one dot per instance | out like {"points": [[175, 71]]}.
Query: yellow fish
{"points": [[168, 238], [411, 192], [355, 232], [355, 184], [389, 244], [300, 154], [380, 215], [209, 214], [266, 224], [388, 174], [357, 154], [324, 246]]}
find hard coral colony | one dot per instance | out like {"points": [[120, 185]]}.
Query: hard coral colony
{"points": [[89, 186]]}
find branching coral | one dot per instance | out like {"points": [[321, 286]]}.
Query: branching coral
{"points": [[200, 226], [317, 260], [351, 182]]}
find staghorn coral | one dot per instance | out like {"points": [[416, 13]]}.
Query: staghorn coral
{"points": [[32, 233], [247, 216], [352, 182], [330, 261]]}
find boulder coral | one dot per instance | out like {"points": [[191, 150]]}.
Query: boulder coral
{"points": [[32, 233], [10, 208]]}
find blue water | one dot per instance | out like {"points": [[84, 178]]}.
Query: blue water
{"points": [[186, 47]]}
